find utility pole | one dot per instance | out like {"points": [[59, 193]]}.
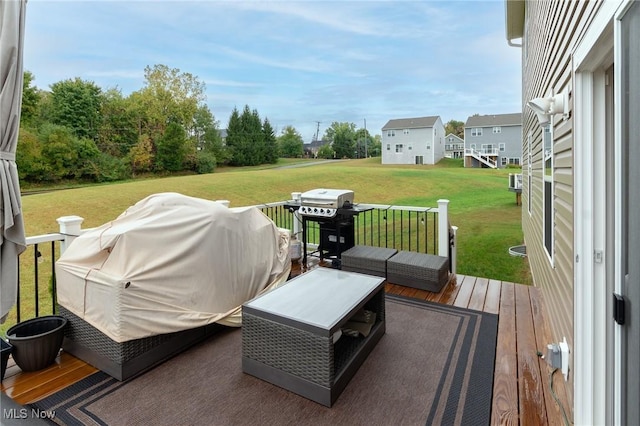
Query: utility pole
{"points": [[317, 130], [365, 139]]}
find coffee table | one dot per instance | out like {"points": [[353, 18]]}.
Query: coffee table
{"points": [[289, 334]]}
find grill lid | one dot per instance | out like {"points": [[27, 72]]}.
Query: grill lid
{"points": [[334, 198]]}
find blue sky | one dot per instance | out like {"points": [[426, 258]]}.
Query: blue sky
{"points": [[296, 62]]}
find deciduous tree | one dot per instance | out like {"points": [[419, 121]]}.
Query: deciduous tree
{"points": [[30, 100], [342, 137], [76, 104], [455, 127], [291, 143]]}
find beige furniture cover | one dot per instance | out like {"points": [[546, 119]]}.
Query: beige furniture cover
{"points": [[171, 263]]}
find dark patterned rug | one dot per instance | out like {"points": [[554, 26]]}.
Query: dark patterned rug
{"points": [[434, 365]]}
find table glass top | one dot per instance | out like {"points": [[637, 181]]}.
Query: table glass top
{"points": [[321, 297]]}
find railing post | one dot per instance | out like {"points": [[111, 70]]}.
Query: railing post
{"points": [[454, 249], [296, 196], [443, 228], [70, 227]]}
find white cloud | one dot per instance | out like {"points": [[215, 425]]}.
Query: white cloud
{"points": [[296, 62]]}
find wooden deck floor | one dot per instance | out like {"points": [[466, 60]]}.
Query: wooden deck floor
{"points": [[522, 394]]}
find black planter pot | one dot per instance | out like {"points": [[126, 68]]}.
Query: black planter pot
{"points": [[5, 351], [36, 342]]}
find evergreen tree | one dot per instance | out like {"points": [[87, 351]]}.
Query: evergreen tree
{"points": [[234, 139], [270, 143]]}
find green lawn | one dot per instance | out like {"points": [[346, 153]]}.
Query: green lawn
{"points": [[480, 204], [488, 220]]}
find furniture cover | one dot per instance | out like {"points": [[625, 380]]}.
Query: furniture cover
{"points": [[170, 263]]}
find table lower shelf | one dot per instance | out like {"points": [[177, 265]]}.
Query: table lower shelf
{"points": [[325, 394]]}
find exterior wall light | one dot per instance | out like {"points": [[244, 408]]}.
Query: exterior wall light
{"points": [[546, 107]]}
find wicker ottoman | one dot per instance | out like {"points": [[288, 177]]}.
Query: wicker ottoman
{"points": [[367, 260], [418, 270]]}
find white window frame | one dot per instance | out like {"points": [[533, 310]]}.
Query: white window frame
{"points": [[405, 131], [399, 148], [592, 366], [497, 129], [503, 161], [547, 178], [502, 147], [487, 148], [476, 131]]}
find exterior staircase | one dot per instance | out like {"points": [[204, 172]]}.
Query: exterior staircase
{"points": [[486, 158]]}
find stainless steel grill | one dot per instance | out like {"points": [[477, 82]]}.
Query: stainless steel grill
{"points": [[333, 212], [325, 202]]}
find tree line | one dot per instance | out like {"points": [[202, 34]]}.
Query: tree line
{"points": [[78, 131]]}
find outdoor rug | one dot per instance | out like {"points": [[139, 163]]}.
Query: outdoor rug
{"points": [[434, 365]]}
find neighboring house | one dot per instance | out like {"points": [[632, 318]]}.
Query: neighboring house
{"points": [[311, 149], [493, 140], [413, 141], [453, 146], [580, 196]]}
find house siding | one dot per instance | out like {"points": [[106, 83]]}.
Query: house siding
{"points": [[552, 31], [427, 142], [510, 135], [453, 146]]}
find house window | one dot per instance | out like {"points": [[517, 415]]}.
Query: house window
{"points": [[405, 131], [450, 140], [503, 161], [487, 148], [497, 129], [391, 133], [476, 131], [409, 147], [547, 177], [399, 148], [502, 147], [515, 161], [388, 147], [473, 146], [428, 146]]}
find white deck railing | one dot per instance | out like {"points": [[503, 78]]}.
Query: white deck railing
{"points": [[412, 228]]}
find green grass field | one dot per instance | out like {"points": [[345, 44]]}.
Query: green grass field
{"points": [[488, 220], [485, 212]]}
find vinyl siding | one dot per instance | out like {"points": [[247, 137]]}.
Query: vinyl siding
{"points": [[552, 30], [418, 138]]}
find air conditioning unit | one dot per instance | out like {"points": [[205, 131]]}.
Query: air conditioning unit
{"points": [[515, 180]]}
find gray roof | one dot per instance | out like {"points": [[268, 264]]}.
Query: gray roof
{"points": [[514, 119], [411, 123], [455, 136]]}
